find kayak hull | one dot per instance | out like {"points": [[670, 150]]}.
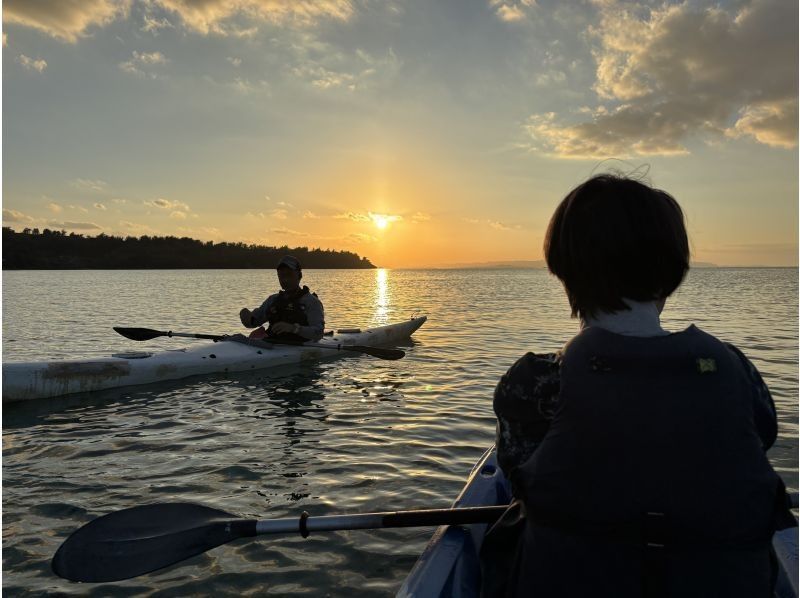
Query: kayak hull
{"points": [[450, 565], [42, 379]]}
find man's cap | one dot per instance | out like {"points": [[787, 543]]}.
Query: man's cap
{"points": [[290, 262]]}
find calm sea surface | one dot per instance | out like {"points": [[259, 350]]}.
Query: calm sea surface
{"points": [[349, 435]]}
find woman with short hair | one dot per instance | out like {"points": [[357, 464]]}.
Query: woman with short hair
{"points": [[637, 455]]}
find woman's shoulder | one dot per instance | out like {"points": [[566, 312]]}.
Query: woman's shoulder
{"points": [[533, 377], [533, 365]]}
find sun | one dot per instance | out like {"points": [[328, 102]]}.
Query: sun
{"points": [[382, 221]]}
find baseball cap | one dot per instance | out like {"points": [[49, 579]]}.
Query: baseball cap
{"points": [[290, 262]]}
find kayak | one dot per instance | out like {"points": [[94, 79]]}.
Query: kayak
{"points": [[41, 379], [450, 565]]}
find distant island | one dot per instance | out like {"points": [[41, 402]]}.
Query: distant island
{"points": [[59, 250], [524, 265]]}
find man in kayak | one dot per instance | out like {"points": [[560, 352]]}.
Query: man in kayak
{"points": [[294, 313], [638, 456]]}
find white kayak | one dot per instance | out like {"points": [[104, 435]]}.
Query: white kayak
{"points": [[42, 379]]}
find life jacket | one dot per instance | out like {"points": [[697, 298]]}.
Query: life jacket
{"points": [[291, 310], [652, 479]]}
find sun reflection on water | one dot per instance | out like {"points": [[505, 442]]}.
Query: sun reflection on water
{"points": [[382, 297]]}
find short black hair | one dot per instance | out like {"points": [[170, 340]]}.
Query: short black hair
{"points": [[613, 237]]}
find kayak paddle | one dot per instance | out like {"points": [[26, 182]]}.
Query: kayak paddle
{"points": [[145, 334], [142, 539]]}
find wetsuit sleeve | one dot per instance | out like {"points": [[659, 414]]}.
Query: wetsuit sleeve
{"points": [[524, 403], [261, 314], [316, 319], [766, 418]]}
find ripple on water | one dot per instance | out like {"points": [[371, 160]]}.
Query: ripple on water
{"points": [[347, 435]]}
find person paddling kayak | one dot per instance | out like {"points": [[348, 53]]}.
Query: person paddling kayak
{"points": [[637, 456], [293, 314]]}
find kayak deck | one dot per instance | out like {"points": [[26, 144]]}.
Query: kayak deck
{"points": [[450, 564], [43, 379]]}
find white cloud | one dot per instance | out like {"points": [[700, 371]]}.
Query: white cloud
{"points": [[510, 11], [54, 207], [288, 232], [309, 215], [89, 185], [178, 215], [420, 217], [279, 214], [355, 217], [237, 62], [68, 225], [154, 25], [166, 204], [99, 206], [78, 208], [67, 21], [217, 16], [15, 216], [671, 73], [31, 64], [140, 60]]}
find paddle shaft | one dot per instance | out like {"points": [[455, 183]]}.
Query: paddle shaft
{"points": [[421, 518]]}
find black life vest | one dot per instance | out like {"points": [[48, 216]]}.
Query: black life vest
{"points": [[291, 310], [660, 426]]}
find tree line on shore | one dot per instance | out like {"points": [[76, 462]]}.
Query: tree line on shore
{"points": [[32, 249]]}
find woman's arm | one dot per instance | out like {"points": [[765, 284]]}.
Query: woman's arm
{"points": [[764, 414], [524, 402]]}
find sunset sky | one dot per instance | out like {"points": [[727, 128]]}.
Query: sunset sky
{"points": [[416, 133]]}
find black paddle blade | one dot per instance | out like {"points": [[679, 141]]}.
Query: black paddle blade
{"points": [[142, 539], [377, 351], [139, 334]]}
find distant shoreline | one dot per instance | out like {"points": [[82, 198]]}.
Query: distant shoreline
{"points": [[57, 250]]}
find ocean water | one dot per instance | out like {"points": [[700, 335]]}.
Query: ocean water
{"points": [[353, 434]]}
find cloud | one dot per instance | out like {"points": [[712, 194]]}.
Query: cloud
{"points": [[54, 207], [119, 200], [770, 123], [15, 216], [75, 225], [495, 224], [99, 206], [218, 16], [361, 238], [178, 215], [498, 225], [134, 228], [31, 64], [353, 216], [325, 68], [420, 217], [279, 214], [78, 208], [511, 12], [64, 20], [89, 185], [237, 62], [669, 74], [154, 25], [289, 232], [139, 60], [309, 215], [166, 204]]}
